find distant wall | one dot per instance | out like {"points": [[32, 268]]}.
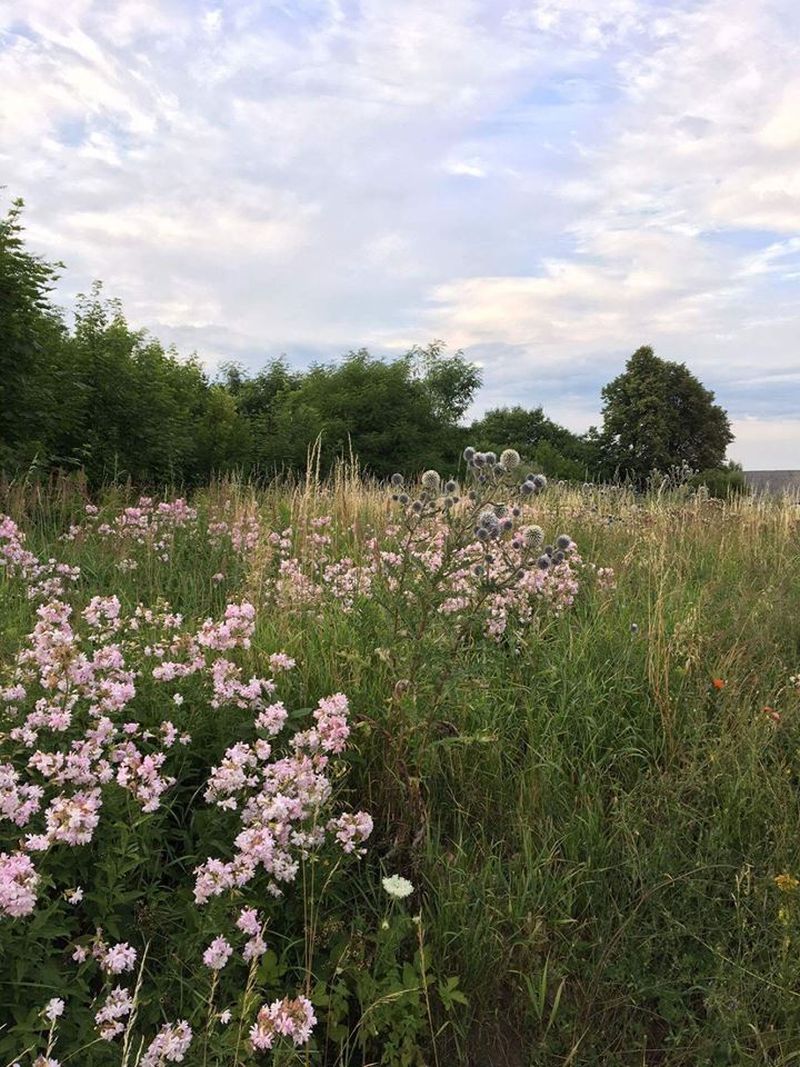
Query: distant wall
{"points": [[774, 481]]}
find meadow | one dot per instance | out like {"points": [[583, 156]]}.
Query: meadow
{"points": [[345, 773]]}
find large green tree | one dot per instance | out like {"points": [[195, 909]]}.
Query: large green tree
{"points": [[657, 415]]}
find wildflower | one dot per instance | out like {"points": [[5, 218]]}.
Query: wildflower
{"points": [[225, 1016], [786, 882], [397, 479], [534, 536], [53, 1009], [509, 458], [469, 453], [451, 487], [718, 683], [634, 627], [563, 541], [430, 480], [217, 954], [109, 1018], [398, 887], [74, 896], [118, 958], [177, 699], [18, 884], [170, 1044], [490, 458], [291, 1018], [539, 482]]}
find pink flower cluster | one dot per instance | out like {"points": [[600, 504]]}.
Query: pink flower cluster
{"points": [[43, 581], [283, 1018], [170, 1045], [281, 803]]}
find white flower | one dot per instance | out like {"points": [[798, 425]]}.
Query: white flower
{"points": [[74, 896], [53, 1009], [398, 887], [510, 458]]}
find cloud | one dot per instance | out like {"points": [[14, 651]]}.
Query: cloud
{"points": [[548, 183]]}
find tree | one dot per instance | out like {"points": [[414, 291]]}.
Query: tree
{"points": [[657, 415], [33, 400]]}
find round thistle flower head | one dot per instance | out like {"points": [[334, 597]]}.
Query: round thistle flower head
{"points": [[491, 459], [558, 556], [417, 506], [539, 482], [430, 480], [489, 520], [397, 479], [477, 570], [451, 486], [469, 453], [482, 533], [563, 541], [509, 458], [448, 501], [526, 487], [403, 498], [507, 524], [548, 550], [500, 510], [479, 459], [534, 536], [398, 887], [543, 562], [516, 512]]}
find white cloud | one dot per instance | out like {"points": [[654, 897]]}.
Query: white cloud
{"points": [[549, 183]]}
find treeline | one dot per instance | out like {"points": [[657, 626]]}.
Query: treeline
{"points": [[100, 396]]}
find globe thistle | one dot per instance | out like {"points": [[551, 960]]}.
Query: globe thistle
{"points": [[448, 502], [451, 486], [479, 460], [507, 524], [417, 506], [397, 479], [534, 536], [477, 570], [558, 556], [548, 550], [543, 562], [469, 453], [526, 487], [403, 498], [481, 533], [491, 458], [509, 458], [539, 482], [430, 480], [500, 510], [516, 512], [563, 541], [488, 520]]}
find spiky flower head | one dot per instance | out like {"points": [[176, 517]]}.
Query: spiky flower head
{"points": [[558, 556], [397, 479], [403, 498], [469, 453], [430, 480], [539, 481], [509, 458], [526, 487], [451, 486], [563, 541], [534, 536], [491, 458], [488, 520], [543, 562], [417, 506], [479, 459]]}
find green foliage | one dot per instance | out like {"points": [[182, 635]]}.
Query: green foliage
{"points": [[553, 449], [722, 482], [657, 416]]}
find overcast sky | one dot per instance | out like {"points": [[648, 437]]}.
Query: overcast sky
{"points": [[547, 184]]}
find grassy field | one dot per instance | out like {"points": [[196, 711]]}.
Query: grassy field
{"points": [[592, 806]]}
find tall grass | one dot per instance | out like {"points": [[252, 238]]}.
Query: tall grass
{"points": [[594, 825]]}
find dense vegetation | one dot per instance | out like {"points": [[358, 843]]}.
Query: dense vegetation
{"points": [[586, 770], [102, 397]]}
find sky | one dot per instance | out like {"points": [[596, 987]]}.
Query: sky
{"points": [[546, 184]]}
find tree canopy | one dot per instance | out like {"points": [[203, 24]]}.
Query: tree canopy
{"points": [[658, 415]]}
